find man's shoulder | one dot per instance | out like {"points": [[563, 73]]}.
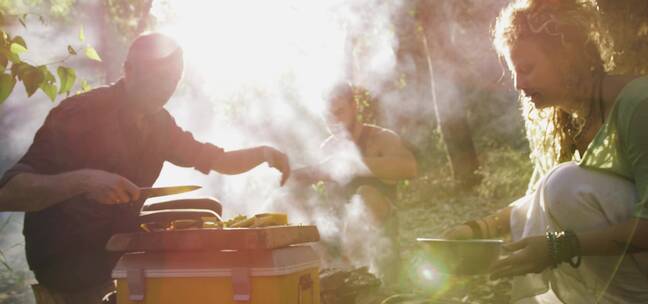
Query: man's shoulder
{"points": [[79, 112], [98, 101]]}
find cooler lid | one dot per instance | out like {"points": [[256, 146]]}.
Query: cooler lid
{"points": [[214, 239], [274, 262]]}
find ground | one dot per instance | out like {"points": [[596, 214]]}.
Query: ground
{"points": [[433, 202]]}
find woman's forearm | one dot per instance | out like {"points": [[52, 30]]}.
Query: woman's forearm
{"points": [[628, 237], [503, 220], [33, 192], [496, 224]]}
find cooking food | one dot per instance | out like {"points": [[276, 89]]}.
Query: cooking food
{"points": [[261, 220]]}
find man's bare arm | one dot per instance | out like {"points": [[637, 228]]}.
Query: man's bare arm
{"points": [[28, 192], [396, 161], [240, 161], [34, 192], [391, 167]]}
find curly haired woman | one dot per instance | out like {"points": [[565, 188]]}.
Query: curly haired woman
{"points": [[581, 232]]}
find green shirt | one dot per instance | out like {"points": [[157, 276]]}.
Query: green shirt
{"points": [[621, 145]]}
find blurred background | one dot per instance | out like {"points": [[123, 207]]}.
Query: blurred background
{"points": [[256, 73]]}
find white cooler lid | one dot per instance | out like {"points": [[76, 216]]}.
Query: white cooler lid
{"points": [[274, 262]]}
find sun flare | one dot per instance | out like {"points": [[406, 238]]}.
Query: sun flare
{"points": [[258, 44]]}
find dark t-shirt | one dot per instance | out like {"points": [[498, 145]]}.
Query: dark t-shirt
{"points": [[65, 242]]}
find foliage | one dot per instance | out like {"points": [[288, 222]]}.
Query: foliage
{"points": [[19, 8], [505, 173], [14, 287], [14, 275], [627, 24], [131, 17], [14, 69], [432, 203]]}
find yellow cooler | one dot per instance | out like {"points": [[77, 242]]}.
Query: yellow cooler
{"points": [[288, 275], [204, 262]]}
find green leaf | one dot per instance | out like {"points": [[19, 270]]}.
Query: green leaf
{"points": [[47, 75], [49, 89], [7, 83], [71, 50], [67, 77], [19, 40], [32, 78], [11, 56], [91, 53], [17, 48], [48, 86], [81, 34], [19, 69]]}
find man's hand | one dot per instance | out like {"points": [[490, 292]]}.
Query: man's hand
{"points": [[278, 160], [530, 255], [107, 188]]}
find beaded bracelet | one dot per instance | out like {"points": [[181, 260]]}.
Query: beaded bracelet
{"points": [[553, 250], [564, 247]]}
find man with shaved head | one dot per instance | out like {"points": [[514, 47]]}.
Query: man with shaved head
{"points": [[384, 161], [79, 181]]}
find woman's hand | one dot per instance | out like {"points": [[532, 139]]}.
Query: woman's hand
{"points": [[529, 255], [459, 232]]}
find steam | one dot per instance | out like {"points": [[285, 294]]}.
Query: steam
{"points": [[21, 116], [256, 74]]}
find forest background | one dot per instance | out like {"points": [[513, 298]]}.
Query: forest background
{"points": [[255, 74]]}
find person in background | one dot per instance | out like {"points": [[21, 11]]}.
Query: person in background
{"points": [[580, 235], [383, 161], [79, 181]]}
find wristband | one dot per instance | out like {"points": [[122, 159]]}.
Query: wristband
{"points": [[564, 247]]}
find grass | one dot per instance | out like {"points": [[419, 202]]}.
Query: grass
{"points": [[15, 277], [434, 202]]}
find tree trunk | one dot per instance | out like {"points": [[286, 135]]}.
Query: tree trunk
{"points": [[455, 132], [450, 111]]}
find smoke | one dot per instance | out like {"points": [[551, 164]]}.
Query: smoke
{"points": [[256, 74], [20, 118]]}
